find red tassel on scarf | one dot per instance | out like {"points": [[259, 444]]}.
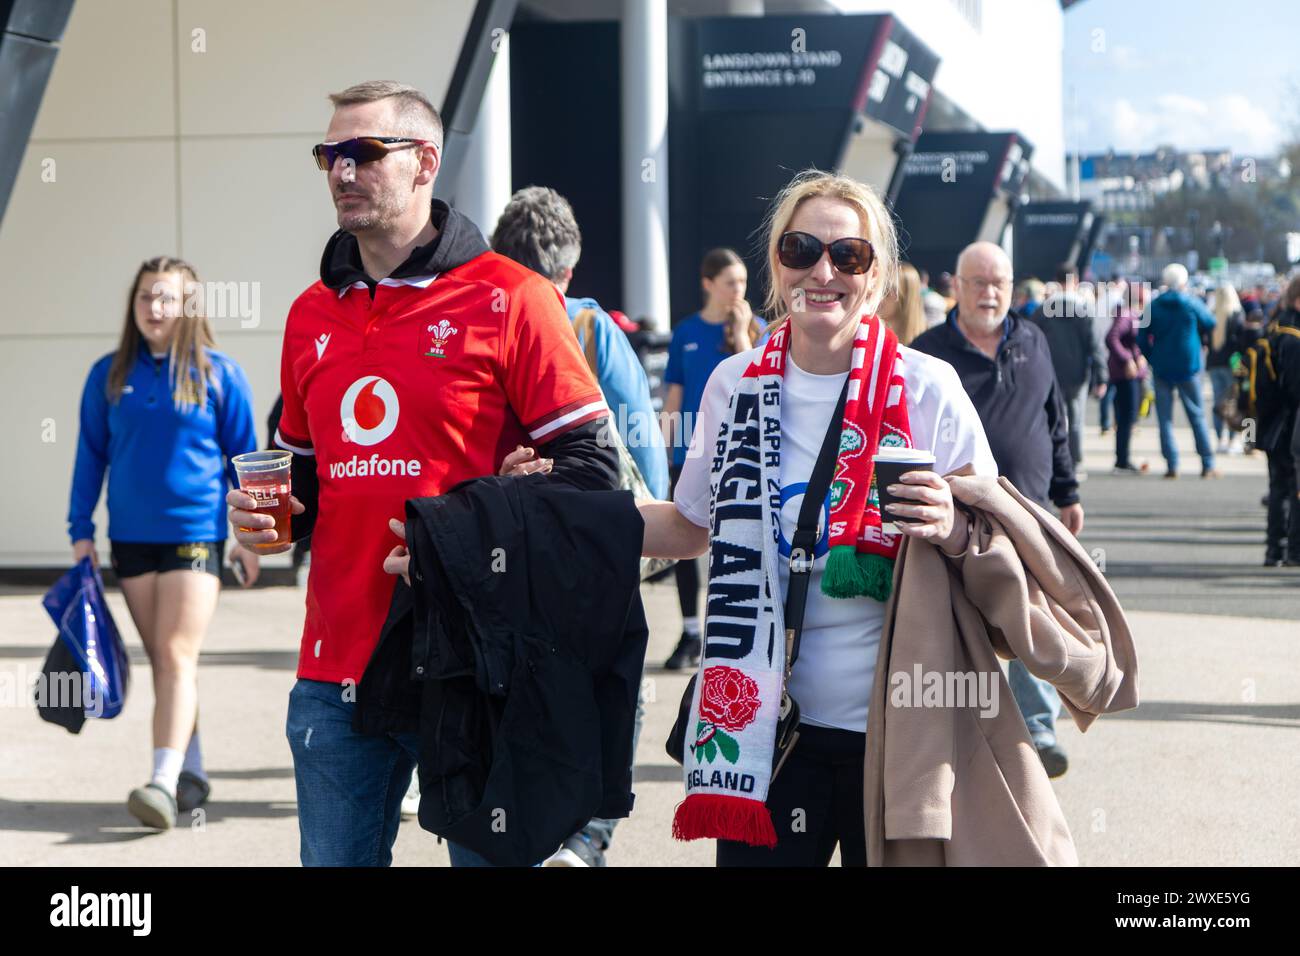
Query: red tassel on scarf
{"points": [[708, 816]]}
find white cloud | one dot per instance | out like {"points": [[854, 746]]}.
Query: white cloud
{"points": [[1230, 121]]}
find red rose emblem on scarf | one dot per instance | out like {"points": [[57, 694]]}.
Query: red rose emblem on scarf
{"points": [[729, 698], [728, 701]]}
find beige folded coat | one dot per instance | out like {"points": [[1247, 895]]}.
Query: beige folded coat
{"points": [[946, 783]]}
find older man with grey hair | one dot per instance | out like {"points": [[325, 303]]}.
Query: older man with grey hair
{"points": [[538, 229], [1171, 342], [1005, 366]]}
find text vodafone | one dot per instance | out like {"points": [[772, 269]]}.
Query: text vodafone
{"points": [[359, 467]]}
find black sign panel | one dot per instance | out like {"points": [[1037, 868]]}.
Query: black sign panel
{"points": [[774, 64], [1049, 235], [754, 100], [898, 89], [949, 183]]}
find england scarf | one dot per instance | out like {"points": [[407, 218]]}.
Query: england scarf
{"points": [[730, 741]]}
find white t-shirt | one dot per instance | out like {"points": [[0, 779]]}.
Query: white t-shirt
{"points": [[837, 652]]}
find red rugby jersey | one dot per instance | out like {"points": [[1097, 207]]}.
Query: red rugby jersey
{"points": [[431, 383]]}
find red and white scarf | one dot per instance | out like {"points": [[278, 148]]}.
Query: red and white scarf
{"points": [[730, 742]]}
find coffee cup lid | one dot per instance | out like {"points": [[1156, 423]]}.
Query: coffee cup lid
{"points": [[903, 455]]}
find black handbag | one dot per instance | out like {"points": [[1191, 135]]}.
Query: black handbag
{"points": [[802, 555]]}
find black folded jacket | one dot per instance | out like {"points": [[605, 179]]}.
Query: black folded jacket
{"points": [[516, 654]]}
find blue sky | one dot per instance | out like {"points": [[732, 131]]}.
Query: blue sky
{"points": [[1194, 73]]}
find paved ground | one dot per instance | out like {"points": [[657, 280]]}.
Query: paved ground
{"points": [[1202, 773]]}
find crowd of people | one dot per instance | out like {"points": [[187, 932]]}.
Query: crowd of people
{"points": [[1135, 348], [429, 359]]}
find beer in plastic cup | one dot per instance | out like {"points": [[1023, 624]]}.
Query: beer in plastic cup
{"points": [[265, 476], [890, 464]]}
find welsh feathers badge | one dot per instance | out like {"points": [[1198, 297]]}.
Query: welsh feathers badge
{"points": [[437, 336]]}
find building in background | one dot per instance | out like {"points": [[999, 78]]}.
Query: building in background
{"points": [[1210, 209], [184, 127]]}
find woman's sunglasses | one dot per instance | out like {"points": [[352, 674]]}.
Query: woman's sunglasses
{"points": [[363, 149], [799, 250]]}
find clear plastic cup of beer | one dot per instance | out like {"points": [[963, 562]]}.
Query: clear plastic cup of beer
{"points": [[264, 475]]}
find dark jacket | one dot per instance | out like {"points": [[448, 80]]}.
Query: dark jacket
{"points": [[1018, 402], [1232, 342], [1295, 442], [1073, 340], [516, 654], [1277, 425], [1171, 340]]}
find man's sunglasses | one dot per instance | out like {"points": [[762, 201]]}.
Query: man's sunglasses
{"points": [[799, 250], [363, 149]]}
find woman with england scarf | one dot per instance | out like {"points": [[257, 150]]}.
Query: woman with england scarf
{"points": [[832, 258]]}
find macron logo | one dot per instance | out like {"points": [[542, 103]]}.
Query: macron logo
{"points": [[321, 342], [131, 910]]}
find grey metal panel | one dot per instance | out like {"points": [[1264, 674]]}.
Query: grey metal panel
{"points": [[27, 51], [25, 67], [468, 81], [38, 19]]}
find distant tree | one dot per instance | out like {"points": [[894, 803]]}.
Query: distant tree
{"points": [[1254, 215]]}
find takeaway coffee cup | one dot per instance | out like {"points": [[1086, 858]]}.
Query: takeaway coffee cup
{"points": [[890, 464]]}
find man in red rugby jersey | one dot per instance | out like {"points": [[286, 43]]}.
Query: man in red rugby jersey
{"points": [[420, 359]]}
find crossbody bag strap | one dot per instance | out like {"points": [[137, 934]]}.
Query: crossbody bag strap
{"points": [[804, 543]]}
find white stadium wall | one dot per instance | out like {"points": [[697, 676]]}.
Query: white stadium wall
{"points": [[176, 127]]}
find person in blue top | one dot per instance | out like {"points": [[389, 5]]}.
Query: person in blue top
{"points": [[725, 326], [538, 229], [163, 416], [1171, 343]]}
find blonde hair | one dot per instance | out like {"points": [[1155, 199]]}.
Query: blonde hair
{"points": [[876, 220], [189, 344], [1226, 305], [910, 318]]}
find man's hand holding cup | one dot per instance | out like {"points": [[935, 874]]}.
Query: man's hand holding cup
{"points": [[256, 529]]}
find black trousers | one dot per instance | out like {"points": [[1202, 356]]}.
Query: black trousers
{"points": [[816, 803], [687, 572], [1283, 508], [1128, 395]]}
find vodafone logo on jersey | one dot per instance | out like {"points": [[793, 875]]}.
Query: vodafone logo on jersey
{"points": [[369, 410]]}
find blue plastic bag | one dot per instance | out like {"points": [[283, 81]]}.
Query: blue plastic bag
{"points": [[76, 603]]}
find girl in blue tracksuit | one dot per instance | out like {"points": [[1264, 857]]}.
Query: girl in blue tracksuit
{"points": [[163, 415], [725, 326]]}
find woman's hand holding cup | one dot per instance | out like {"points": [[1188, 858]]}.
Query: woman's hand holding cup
{"points": [[916, 499]]}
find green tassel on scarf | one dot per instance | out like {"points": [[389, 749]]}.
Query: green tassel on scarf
{"points": [[850, 574]]}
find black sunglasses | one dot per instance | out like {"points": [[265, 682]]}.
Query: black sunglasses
{"points": [[362, 149], [799, 250]]}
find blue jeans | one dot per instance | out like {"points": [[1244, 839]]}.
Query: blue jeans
{"points": [[1189, 392], [350, 786], [1220, 382], [1038, 701]]}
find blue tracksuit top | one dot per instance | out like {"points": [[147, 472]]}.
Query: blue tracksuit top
{"points": [[623, 382], [167, 468]]}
